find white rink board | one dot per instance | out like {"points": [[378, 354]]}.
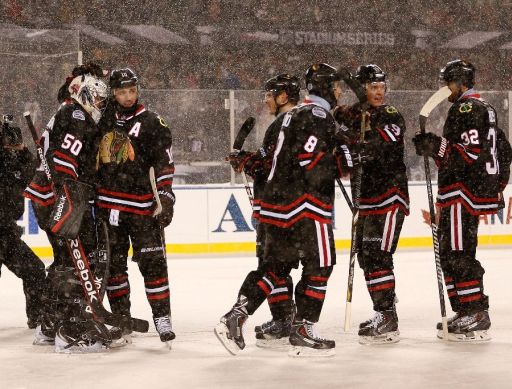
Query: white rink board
{"points": [[217, 219]]}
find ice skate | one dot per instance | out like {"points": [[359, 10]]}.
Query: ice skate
{"points": [[45, 333], [164, 328], [69, 341], [42, 338], [381, 329], [273, 333], [306, 342], [471, 327], [120, 338], [439, 325], [230, 329]]}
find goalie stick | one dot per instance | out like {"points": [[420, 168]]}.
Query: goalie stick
{"points": [[244, 131], [429, 106], [81, 263]]}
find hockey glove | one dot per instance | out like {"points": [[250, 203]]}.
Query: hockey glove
{"points": [[430, 144], [239, 159], [167, 199]]}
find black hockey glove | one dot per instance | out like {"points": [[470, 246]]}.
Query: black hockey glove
{"points": [[240, 161], [365, 152], [167, 199], [430, 144]]}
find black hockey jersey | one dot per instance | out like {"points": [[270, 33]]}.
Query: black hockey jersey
{"points": [[70, 141], [124, 184], [474, 157], [260, 163], [300, 185], [384, 178]]}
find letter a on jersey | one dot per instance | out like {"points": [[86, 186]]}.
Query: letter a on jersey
{"points": [[134, 131]]}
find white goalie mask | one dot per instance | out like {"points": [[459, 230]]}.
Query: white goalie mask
{"points": [[91, 93]]}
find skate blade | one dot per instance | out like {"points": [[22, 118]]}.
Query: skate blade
{"points": [[308, 352], [274, 344], [168, 344], [80, 350], [43, 342], [221, 331], [121, 342], [469, 337], [388, 338]]}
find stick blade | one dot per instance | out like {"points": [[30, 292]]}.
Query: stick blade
{"points": [[435, 100], [243, 133]]}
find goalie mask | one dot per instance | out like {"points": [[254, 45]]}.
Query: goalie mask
{"points": [[91, 93]]}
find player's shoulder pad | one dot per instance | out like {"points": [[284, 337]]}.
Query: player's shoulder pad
{"points": [[78, 114], [156, 118], [319, 112], [389, 110], [470, 108]]}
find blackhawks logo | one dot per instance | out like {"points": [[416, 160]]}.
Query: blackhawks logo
{"points": [[390, 109], [465, 107], [115, 147]]}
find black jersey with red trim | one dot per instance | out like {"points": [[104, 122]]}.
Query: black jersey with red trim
{"points": [[70, 142], [126, 186], [300, 185], [474, 157], [260, 162], [384, 177]]}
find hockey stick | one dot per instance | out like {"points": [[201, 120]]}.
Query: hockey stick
{"points": [[429, 106], [237, 146], [158, 209], [356, 192], [152, 180], [345, 194], [81, 263]]}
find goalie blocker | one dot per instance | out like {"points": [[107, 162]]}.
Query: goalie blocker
{"points": [[68, 212]]}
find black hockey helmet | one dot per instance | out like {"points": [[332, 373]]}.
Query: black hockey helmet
{"points": [[370, 73], [459, 71], [320, 79], [122, 78], [284, 82]]}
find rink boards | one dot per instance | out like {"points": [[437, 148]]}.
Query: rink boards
{"points": [[216, 219]]}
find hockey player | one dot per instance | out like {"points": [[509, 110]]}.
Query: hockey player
{"points": [[17, 167], [384, 200], [135, 140], [473, 157], [70, 143], [296, 211], [282, 93]]}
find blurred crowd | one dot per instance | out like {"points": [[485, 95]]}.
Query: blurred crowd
{"points": [[238, 44]]}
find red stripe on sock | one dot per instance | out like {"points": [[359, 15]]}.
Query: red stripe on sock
{"points": [[389, 285], [118, 293], [264, 287], [159, 296], [156, 282], [316, 295], [276, 299], [379, 273], [465, 284], [470, 298]]}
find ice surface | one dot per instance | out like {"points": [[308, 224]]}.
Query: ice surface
{"points": [[203, 289]]}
